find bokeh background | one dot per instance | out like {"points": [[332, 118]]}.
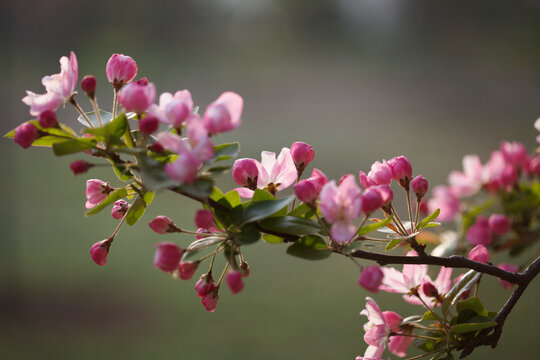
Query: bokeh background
{"points": [[358, 80]]}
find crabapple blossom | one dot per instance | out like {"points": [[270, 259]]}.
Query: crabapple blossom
{"points": [[469, 181], [79, 167], [499, 224], [119, 209], [234, 281], [479, 253], [167, 256], [537, 127], [210, 300], [96, 192], [479, 233], [47, 119], [308, 190], [204, 285], [205, 219], [25, 135], [184, 169], [245, 173], [514, 153], [405, 282], [302, 155], [419, 186], [186, 269], [401, 170], [380, 173], [148, 124], [88, 85], [446, 201], [371, 278], [162, 225], [62, 84], [442, 285], [99, 251], [39, 103], [371, 200], [120, 70], [173, 109], [137, 97], [224, 114]]}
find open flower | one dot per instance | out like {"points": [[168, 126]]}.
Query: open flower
{"points": [[224, 114], [406, 282]]}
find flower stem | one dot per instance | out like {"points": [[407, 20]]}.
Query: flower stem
{"points": [[96, 110], [222, 275], [80, 110]]}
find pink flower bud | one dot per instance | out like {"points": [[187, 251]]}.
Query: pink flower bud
{"points": [[120, 70], [25, 135], [100, 250], [204, 285], [88, 85], [80, 167], [246, 172], [365, 181], [371, 200], [210, 300], [515, 153], [401, 169], [177, 111], [306, 191], [204, 219], [167, 256], [136, 97], [386, 193], [479, 233], [371, 278], [186, 269], [430, 290], [119, 209], [96, 192], [302, 155], [507, 267], [318, 179], [234, 281], [157, 148], [224, 114], [419, 186], [380, 173], [148, 125], [47, 119], [479, 253], [499, 224], [184, 169], [162, 225]]}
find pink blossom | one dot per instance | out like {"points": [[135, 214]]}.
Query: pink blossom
{"points": [[404, 282], [533, 166], [186, 269], [79, 167], [88, 85], [234, 281], [167, 256], [64, 83], [386, 193], [119, 209], [25, 135], [365, 181], [205, 219], [204, 285], [498, 173], [120, 70], [401, 169], [96, 192], [441, 285], [148, 124], [39, 103], [302, 155], [137, 97], [479, 233], [340, 205], [319, 179], [245, 172], [162, 225], [47, 119], [499, 224], [224, 114], [99, 251], [197, 137], [469, 181], [507, 267], [173, 109], [210, 300], [444, 200], [371, 278], [306, 191], [184, 169], [371, 200], [479, 253], [537, 126], [514, 153], [380, 173], [419, 186]]}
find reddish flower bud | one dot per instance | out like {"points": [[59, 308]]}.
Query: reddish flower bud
{"points": [[25, 135], [507, 267], [234, 281], [246, 172], [302, 155], [88, 85], [371, 200], [371, 278], [157, 148], [479, 253], [80, 167], [365, 181], [96, 192], [514, 153], [204, 285], [306, 191], [401, 170], [479, 233], [204, 219], [47, 119], [419, 186], [148, 125], [167, 256], [137, 98], [386, 193], [162, 225], [120, 69], [499, 224], [430, 290], [119, 209], [100, 250], [210, 300], [186, 269]]}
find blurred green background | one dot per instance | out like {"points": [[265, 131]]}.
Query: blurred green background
{"points": [[358, 80]]}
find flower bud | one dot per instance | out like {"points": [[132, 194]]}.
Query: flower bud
{"points": [[224, 114], [365, 181], [204, 219], [204, 285], [157, 148], [88, 85], [318, 179], [96, 192], [401, 170], [186, 269], [499, 224], [167, 256], [99, 251], [120, 70], [302, 155], [245, 173], [507, 267], [306, 191], [234, 281], [371, 278], [380, 173], [371, 200], [25, 135], [119, 209], [47, 119], [514, 153], [136, 97], [162, 225], [479, 233], [419, 186], [184, 169], [244, 269], [210, 300], [80, 167], [148, 125], [479, 253], [430, 290]]}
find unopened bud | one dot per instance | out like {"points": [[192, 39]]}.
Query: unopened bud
{"points": [[430, 290], [302, 155], [148, 125], [100, 250], [186, 269], [234, 281], [88, 85], [167, 256], [119, 209], [80, 167], [25, 135], [419, 186], [162, 225], [47, 119]]}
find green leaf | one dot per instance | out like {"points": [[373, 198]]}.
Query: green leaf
{"points": [[115, 195], [149, 197], [216, 194], [465, 283], [233, 198], [473, 304], [393, 243], [300, 210], [200, 188], [121, 171], [428, 315], [372, 227], [247, 235], [471, 327], [432, 224], [153, 175], [225, 151], [258, 210], [106, 118], [73, 146], [136, 211], [218, 170], [260, 195], [272, 239], [310, 247], [290, 225], [49, 136], [428, 219], [112, 132]]}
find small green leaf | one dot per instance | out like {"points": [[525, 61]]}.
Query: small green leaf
{"points": [[149, 197], [471, 327], [465, 283], [428, 315], [290, 225], [260, 195], [106, 118], [310, 247], [272, 239], [428, 219], [258, 210], [247, 235], [473, 304], [73, 146], [393, 243], [218, 170], [115, 195], [225, 151], [121, 171], [136, 211], [233, 198], [200, 188], [372, 227], [113, 131], [432, 224], [300, 210], [216, 194]]}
